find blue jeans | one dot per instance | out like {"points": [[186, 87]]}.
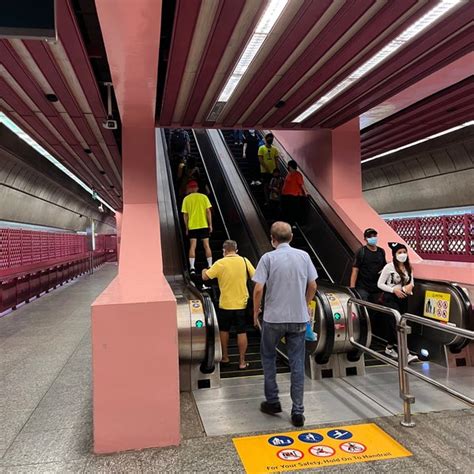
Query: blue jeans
{"points": [[294, 334]]}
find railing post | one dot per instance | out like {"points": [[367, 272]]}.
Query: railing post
{"points": [[402, 331]]}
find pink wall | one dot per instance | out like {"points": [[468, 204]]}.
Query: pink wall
{"points": [[134, 325], [331, 160]]}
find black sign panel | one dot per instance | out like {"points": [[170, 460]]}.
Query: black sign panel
{"points": [[28, 19]]}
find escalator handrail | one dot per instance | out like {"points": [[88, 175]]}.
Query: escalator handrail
{"points": [[211, 185], [324, 356], [209, 310]]}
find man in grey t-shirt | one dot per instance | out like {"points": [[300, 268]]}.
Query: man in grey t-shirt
{"points": [[290, 279]]}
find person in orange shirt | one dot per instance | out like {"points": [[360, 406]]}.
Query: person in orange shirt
{"points": [[292, 193]]}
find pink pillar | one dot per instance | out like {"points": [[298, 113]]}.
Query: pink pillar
{"points": [[118, 223], [331, 159], [134, 329]]}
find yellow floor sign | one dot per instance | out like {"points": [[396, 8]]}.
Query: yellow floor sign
{"points": [[317, 448]]}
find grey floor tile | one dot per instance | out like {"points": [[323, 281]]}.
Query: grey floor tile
{"points": [[72, 467], [128, 462], [49, 446], [11, 422], [191, 425]]}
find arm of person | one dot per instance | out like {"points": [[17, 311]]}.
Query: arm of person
{"points": [[354, 273], [408, 289], [396, 290], [257, 301], [186, 222], [310, 291], [211, 273], [209, 218]]}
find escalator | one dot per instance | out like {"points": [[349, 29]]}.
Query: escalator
{"points": [[226, 225]]}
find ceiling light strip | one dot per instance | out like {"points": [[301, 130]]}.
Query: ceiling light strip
{"points": [[422, 140], [443, 7], [35, 145], [264, 26]]}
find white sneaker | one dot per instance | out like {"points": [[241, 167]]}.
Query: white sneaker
{"points": [[253, 183], [258, 183], [412, 358], [391, 352]]}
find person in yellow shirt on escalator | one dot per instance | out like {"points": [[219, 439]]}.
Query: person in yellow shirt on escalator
{"points": [[268, 157]]}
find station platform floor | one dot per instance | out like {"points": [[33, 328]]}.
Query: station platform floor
{"points": [[46, 404]]}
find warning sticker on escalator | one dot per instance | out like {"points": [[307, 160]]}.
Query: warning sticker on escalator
{"points": [[437, 305], [317, 448]]}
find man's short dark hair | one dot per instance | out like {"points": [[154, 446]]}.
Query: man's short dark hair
{"points": [[269, 135], [369, 233], [281, 232], [293, 165], [230, 246]]}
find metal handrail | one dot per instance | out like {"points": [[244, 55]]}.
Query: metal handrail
{"points": [[403, 329], [402, 365]]}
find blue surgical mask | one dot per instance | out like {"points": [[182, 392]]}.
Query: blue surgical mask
{"points": [[372, 240]]}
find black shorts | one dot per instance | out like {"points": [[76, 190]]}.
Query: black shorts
{"points": [[232, 317], [199, 233]]}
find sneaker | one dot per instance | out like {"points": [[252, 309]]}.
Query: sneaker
{"points": [[297, 420], [391, 352], [258, 183], [412, 358], [253, 183], [236, 143], [192, 272], [270, 408]]}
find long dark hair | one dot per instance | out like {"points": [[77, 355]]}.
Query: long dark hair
{"points": [[398, 268]]}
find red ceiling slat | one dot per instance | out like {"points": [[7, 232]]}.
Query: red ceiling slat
{"points": [[349, 13], [53, 75], [15, 103], [12, 62], [187, 12], [365, 36], [411, 52], [226, 19], [299, 27], [445, 54], [422, 131]]}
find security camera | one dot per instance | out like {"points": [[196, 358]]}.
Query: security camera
{"points": [[110, 124]]}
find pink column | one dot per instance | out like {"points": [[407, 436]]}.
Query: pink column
{"points": [[118, 223], [331, 159], [134, 330]]}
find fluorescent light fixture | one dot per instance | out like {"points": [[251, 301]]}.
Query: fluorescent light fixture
{"points": [[436, 135], [25, 137], [443, 7], [265, 24]]}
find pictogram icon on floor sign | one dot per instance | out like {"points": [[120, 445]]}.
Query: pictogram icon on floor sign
{"points": [[339, 434], [322, 451], [290, 454], [280, 440], [310, 437], [353, 447]]}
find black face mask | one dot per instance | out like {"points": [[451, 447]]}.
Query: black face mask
{"points": [[269, 141]]}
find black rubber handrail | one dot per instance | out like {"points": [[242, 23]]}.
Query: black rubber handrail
{"points": [[208, 364], [325, 354], [356, 354]]}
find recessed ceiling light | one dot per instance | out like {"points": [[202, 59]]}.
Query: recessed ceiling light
{"points": [[268, 19], [36, 146], [52, 97], [88, 151], [443, 7], [436, 135]]}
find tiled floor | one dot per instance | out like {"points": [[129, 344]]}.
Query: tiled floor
{"points": [[46, 420]]}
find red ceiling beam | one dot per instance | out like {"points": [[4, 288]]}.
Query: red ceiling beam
{"points": [[227, 16], [379, 77], [384, 18], [346, 16], [297, 30], [186, 16]]}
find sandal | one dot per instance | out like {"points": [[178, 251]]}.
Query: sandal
{"points": [[247, 365]]}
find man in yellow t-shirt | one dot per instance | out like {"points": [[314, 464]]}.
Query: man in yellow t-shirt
{"points": [[268, 157], [232, 273], [197, 215]]}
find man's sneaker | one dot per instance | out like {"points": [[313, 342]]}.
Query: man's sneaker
{"points": [[258, 183], [253, 183], [412, 358], [192, 272], [297, 420], [391, 352], [270, 408]]}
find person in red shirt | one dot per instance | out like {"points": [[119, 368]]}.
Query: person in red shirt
{"points": [[292, 193]]}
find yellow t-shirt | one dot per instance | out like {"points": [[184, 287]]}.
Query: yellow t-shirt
{"points": [[269, 155], [231, 275], [195, 206]]}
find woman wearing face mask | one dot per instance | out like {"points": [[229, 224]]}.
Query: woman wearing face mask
{"points": [[397, 283]]}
